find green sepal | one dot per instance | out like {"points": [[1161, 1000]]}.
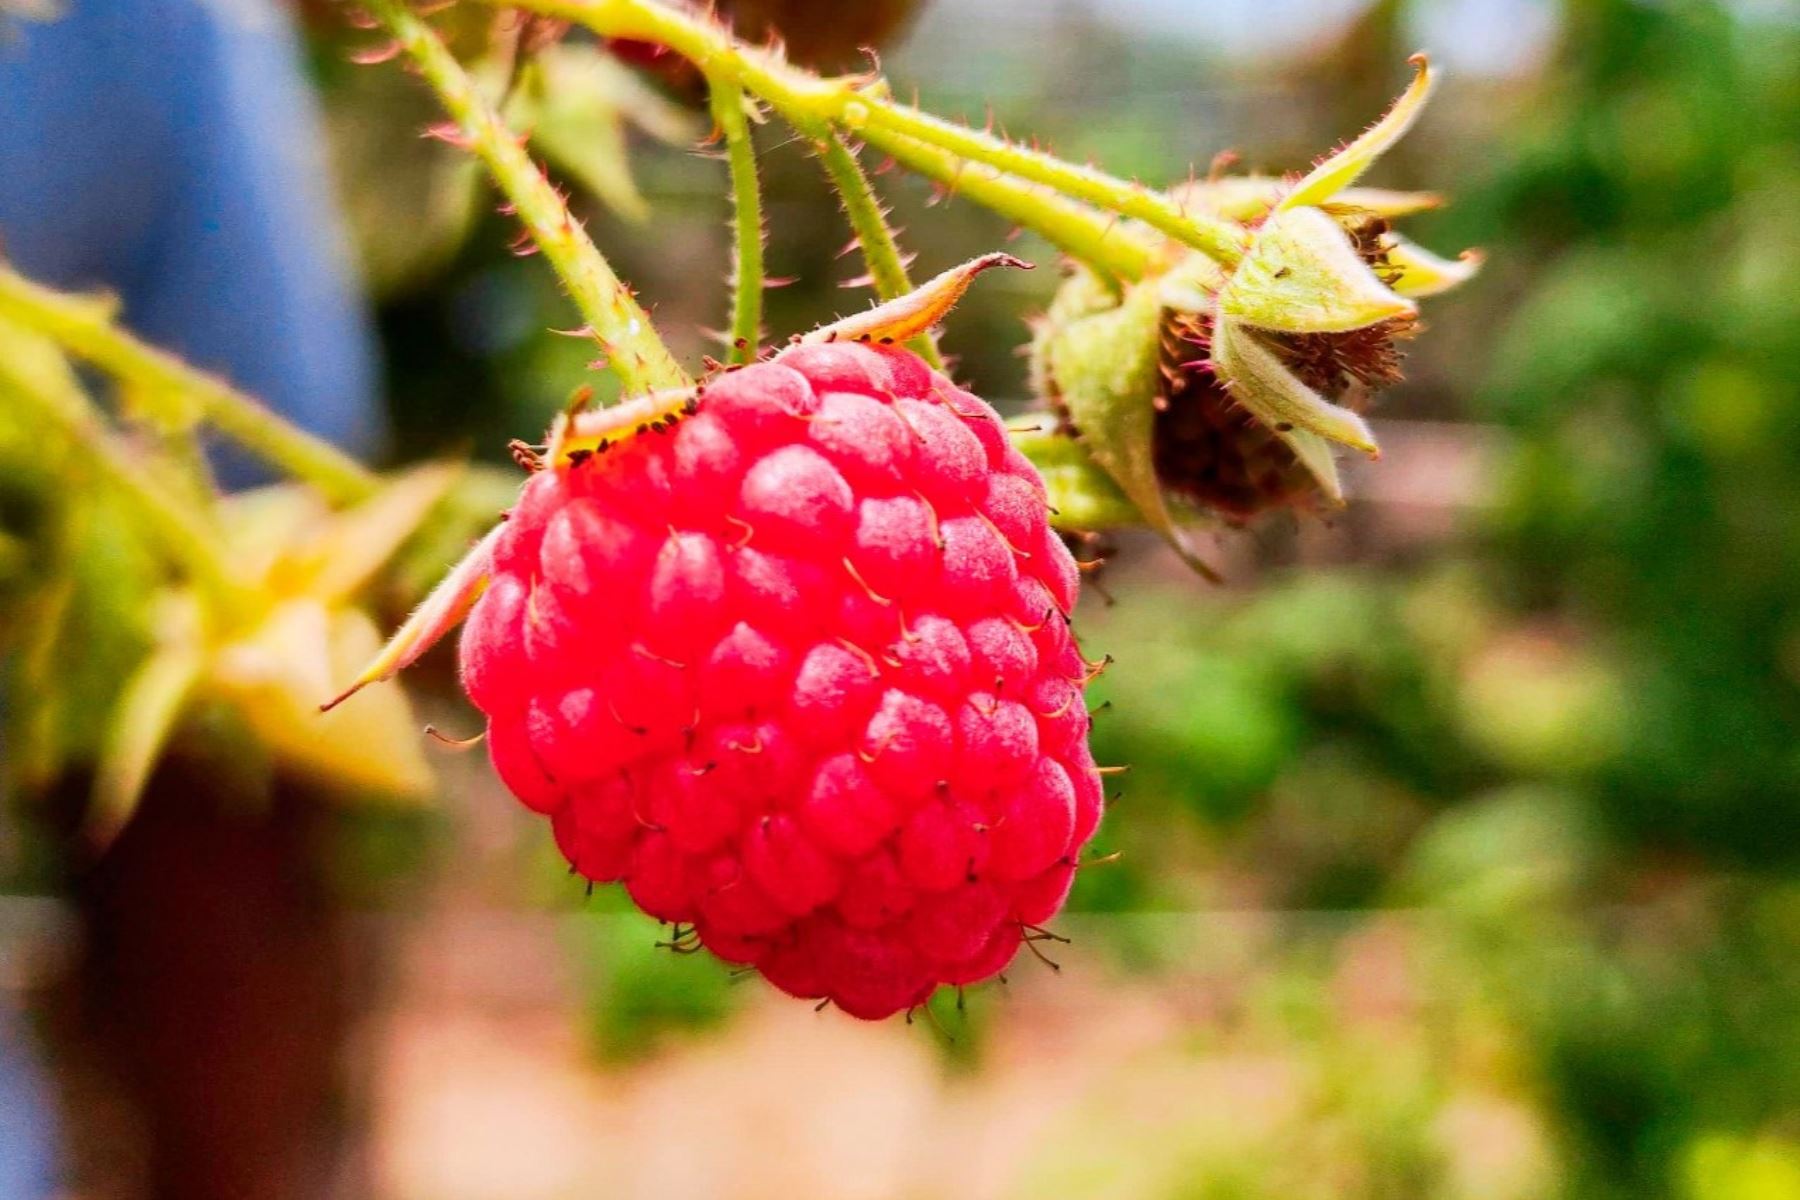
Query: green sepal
{"points": [[1103, 367], [1345, 166], [1083, 498], [1315, 454], [1192, 284], [1303, 275], [1422, 273], [1251, 197], [1275, 396]]}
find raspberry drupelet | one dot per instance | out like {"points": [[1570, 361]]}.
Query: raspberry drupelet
{"points": [[797, 670]]}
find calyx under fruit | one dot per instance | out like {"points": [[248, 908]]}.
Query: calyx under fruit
{"points": [[1223, 388]]}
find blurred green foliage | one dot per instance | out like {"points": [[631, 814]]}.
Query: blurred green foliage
{"points": [[1573, 742], [638, 989], [1654, 493]]}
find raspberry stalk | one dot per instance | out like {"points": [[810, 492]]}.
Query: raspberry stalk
{"points": [[881, 254], [744, 335], [85, 325], [1105, 243], [34, 375], [870, 113], [615, 319]]}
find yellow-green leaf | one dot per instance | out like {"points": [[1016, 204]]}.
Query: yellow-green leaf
{"points": [[137, 732], [358, 542], [275, 677]]}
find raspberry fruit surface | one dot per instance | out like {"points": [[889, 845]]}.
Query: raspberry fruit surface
{"points": [[797, 670]]}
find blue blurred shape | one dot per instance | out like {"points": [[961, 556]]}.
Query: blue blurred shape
{"points": [[171, 150], [25, 1135]]}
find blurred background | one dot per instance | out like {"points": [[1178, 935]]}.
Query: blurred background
{"points": [[1460, 852]]}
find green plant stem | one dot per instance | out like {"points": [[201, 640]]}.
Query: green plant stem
{"points": [[634, 351], [879, 119], [746, 219], [881, 254], [34, 375], [868, 111], [85, 326], [1101, 241], [875, 238]]}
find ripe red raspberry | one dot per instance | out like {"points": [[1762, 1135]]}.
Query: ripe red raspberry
{"points": [[798, 671]]}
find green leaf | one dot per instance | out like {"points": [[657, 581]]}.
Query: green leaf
{"points": [[140, 727], [584, 103], [409, 201]]}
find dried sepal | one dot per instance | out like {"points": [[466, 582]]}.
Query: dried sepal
{"points": [[915, 313], [577, 436]]}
